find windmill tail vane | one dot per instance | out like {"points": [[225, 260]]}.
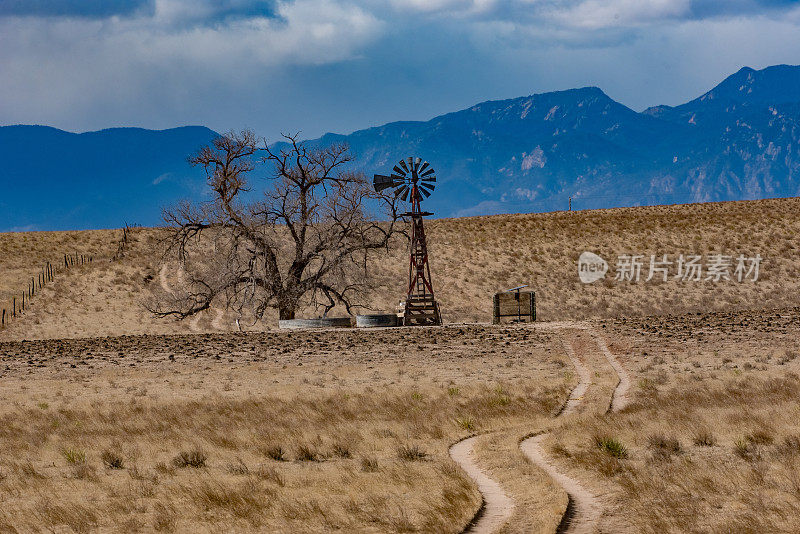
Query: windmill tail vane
{"points": [[414, 180]]}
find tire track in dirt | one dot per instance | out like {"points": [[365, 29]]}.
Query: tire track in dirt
{"points": [[584, 379], [497, 506], [583, 507], [620, 398], [162, 279], [194, 324]]}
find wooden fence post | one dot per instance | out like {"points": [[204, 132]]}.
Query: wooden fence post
{"points": [[13, 306]]}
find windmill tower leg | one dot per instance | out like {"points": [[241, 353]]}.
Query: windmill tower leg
{"points": [[421, 306]]}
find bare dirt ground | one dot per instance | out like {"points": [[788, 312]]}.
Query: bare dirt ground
{"points": [[497, 505], [582, 509]]}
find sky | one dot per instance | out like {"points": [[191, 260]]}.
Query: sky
{"points": [[316, 66]]}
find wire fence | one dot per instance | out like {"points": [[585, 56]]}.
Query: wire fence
{"points": [[46, 274]]}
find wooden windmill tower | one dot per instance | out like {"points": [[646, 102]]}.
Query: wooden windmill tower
{"points": [[412, 179]]}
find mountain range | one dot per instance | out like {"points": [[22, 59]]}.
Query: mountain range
{"points": [[740, 140], [57, 180]]}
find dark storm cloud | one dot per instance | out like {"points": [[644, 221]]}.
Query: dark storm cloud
{"points": [[624, 12], [210, 11], [97, 9], [224, 9], [701, 9]]}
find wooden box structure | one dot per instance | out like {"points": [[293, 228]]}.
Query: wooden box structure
{"points": [[514, 307]]}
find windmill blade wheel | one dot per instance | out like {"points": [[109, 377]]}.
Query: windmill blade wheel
{"points": [[410, 174]]}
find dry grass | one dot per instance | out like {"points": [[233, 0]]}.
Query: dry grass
{"points": [[315, 431], [710, 442], [85, 298], [349, 430], [539, 502], [471, 258], [22, 255]]}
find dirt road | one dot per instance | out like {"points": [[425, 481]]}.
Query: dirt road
{"points": [[584, 508]]}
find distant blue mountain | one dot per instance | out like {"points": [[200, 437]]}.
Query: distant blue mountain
{"points": [[52, 179], [740, 140], [520, 154]]}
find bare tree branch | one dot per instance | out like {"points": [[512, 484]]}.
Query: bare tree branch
{"points": [[308, 239]]}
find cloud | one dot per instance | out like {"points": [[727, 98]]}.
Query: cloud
{"points": [[301, 32], [24, 228], [338, 65], [595, 14], [452, 7], [702, 9], [74, 8], [161, 177], [592, 13], [182, 13], [123, 55]]}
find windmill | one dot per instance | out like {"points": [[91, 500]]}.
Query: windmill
{"points": [[412, 179]]}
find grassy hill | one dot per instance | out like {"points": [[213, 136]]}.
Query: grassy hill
{"points": [[471, 258]]}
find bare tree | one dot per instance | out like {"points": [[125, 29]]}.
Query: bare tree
{"points": [[308, 238]]}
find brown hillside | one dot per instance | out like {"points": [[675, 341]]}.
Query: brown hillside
{"points": [[471, 258]]}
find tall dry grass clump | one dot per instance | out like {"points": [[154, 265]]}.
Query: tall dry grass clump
{"points": [[672, 457]]}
